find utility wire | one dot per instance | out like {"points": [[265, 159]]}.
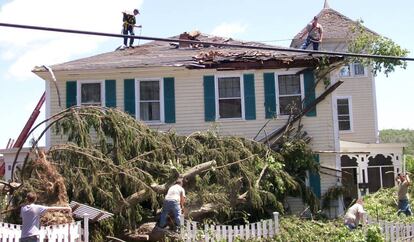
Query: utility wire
{"points": [[331, 53], [275, 40]]}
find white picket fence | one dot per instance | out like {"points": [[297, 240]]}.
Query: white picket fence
{"points": [[394, 231], [56, 233], [192, 231]]}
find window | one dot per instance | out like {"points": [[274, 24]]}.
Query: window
{"points": [[229, 97], [290, 94], [344, 114], [352, 70], [345, 71], [90, 93], [359, 69], [149, 98]]}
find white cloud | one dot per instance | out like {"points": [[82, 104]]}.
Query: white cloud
{"points": [[25, 49], [229, 29]]}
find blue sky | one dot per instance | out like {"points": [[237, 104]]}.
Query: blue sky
{"points": [[255, 20]]}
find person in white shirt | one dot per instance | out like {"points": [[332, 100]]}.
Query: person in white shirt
{"points": [[31, 214], [354, 214], [173, 204]]}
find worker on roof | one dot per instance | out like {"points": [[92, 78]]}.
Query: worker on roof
{"points": [[314, 31], [128, 26]]}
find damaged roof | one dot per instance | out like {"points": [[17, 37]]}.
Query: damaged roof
{"points": [[164, 54]]}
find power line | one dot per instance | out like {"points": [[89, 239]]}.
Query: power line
{"points": [[207, 43], [275, 40]]}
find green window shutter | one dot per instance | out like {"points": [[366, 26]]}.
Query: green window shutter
{"points": [[209, 99], [129, 96], [270, 95], [169, 100], [315, 180], [309, 81], [110, 93], [71, 91], [249, 97]]}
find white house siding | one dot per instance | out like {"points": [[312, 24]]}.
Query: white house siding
{"points": [[364, 117], [296, 205], [189, 98], [189, 103], [362, 91]]}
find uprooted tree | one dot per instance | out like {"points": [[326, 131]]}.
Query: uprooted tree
{"points": [[126, 168]]}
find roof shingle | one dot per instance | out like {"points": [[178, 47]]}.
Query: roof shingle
{"points": [[161, 54]]}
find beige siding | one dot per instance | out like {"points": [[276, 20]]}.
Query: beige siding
{"points": [[361, 90], [296, 205], [189, 97]]}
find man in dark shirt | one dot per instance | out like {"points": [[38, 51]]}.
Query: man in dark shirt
{"points": [[128, 26]]}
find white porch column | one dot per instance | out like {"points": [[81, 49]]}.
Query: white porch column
{"points": [[86, 227], [362, 161]]}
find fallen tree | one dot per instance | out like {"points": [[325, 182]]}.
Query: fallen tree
{"points": [[125, 167]]}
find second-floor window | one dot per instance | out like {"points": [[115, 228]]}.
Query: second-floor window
{"points": [[344, 114], [351, 70], [149, 100], [229, 97], [345, 71], [91, 93], [290, 94], [359, 69]]}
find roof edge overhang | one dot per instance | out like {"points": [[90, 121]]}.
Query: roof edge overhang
{"points": [[288, 62], [355, 147], [282, 63]]}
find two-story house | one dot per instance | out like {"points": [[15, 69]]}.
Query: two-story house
{"points": [[192, 88], [366, 165]]}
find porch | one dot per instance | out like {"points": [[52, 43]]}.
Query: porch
{"points": [[368, 167]]}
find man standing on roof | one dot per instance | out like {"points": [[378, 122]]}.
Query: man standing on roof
{"points": [[128, 26], [31, 214], [315, 34], [173, 203]]}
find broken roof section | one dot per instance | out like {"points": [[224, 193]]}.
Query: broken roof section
{"points": [[194, 56]]}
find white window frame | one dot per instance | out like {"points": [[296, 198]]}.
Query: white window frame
{"points": [[352, 71], [351, 119], [302, 90], [79, 89], [240, 76], [138, 101], [358, 75]]}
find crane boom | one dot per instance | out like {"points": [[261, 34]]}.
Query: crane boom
{"points": [[25, 131]]}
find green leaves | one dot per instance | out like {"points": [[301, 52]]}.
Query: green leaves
{"points": [[367, 42]]}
